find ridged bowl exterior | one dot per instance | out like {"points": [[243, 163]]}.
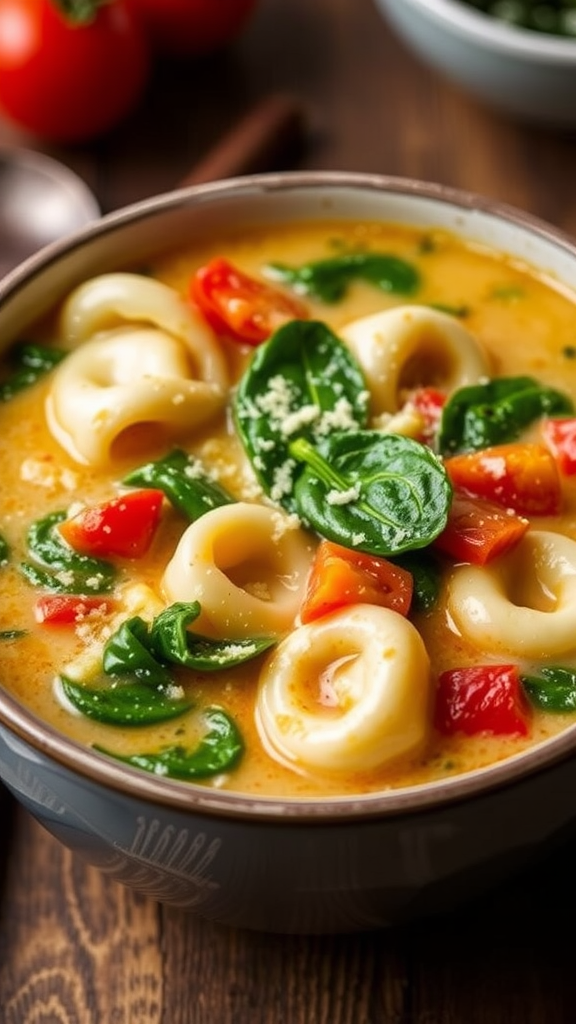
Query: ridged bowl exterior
{"points": [[313, 866]]}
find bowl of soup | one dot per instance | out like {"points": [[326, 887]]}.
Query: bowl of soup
{"points": [[288, 529], [517, 57]]}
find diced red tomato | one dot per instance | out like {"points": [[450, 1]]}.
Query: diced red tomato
{"points": [[523, 477], [68, 609], [478, 530], [124, 526], [560, 436], [428, 403], [482, 699], [341, 576], [241, 306]]}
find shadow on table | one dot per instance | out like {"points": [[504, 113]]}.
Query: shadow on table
{"points": [[505, 956], [7, 806]]}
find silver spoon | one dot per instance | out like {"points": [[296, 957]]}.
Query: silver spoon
{"points": [[41, 200]]}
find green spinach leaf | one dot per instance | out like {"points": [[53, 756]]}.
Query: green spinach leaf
{"points": [[426, 576], [122, 703], [302, 382], [68, 571], [553, 690], [218, 751], [28, 362], [127, 652], [174, 642], [380, 493], [482, 415], [328, 279], [184, 482]]}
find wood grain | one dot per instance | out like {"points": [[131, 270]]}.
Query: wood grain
{"points": [[75, 947]]}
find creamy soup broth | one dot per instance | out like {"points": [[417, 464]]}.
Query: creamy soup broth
{"points": [[527, 325]]}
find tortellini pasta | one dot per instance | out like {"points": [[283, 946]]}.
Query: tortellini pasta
{"points": [[523, 603], [412, 346], [247, 565], [374, 669], [143, 358]]}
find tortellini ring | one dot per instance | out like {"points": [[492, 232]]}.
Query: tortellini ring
{"points": [[247, 565], [379, 673], [523, 603], [114, 300], [144, 361], [413, 346]]}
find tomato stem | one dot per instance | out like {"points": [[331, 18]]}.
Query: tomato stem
{"points": [[79, 12]]}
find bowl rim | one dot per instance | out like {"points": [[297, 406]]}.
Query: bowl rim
{"points": [[493, 33], [98, 769]]}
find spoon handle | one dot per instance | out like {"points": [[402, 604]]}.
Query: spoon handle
{"points": [[270, 134]]}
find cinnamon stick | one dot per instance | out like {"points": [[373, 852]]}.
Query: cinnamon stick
{"points": [[269, 137]]}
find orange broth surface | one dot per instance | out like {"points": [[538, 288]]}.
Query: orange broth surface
{"points": [[527, 324]]}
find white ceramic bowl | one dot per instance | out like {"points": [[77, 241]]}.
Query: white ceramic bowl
{"points": [[285, 865], [528, 74]]}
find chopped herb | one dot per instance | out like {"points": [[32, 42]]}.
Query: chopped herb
{"points": [[427, 244], [507, 292], [458, 311]]}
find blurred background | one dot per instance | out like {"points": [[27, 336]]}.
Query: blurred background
{"points": [[370, 105]]}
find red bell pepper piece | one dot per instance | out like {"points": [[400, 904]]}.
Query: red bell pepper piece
{"points": [[523, 477], [68, 609], [340, 576], [241, 306], [479, 530], [428, 402], [124, 526], [482, 698], [560, 436]]}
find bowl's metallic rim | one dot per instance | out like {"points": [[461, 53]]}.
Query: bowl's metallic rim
{"points": [[494, 34], [94, 767]]}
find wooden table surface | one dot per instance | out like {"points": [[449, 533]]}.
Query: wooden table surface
{"points": [[77, 948]]}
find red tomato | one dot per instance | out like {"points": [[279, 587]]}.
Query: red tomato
{"points": [[478, 530], [428, 403], [560, 436], [68, 609], [193, 26], [239, 305], [124, 526], [523, 477], [482, 698], [341, 576], [69, 80]]}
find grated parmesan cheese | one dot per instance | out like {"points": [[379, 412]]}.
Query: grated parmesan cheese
{"points": [[336, 497]]}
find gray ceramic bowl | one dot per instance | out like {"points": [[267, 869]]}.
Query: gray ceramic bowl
{"points": [[282, 865], [526, 73]]}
